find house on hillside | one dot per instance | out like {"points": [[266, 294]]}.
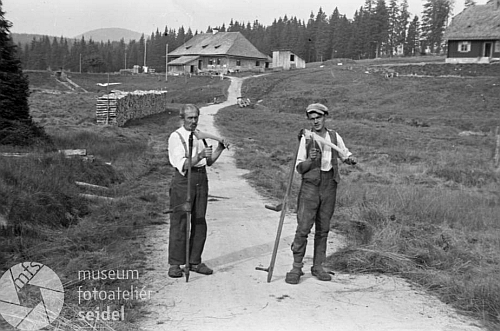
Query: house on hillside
{"points": [[473, 36], [217, 52], [286, 60]]}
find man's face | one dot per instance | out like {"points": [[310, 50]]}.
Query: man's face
{"points": [[191, 119], [317, 121]]}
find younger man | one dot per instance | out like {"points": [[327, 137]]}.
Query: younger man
{"points": [[316, 202]]}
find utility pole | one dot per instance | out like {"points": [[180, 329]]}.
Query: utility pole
{"points": [[166, 63], [80, 62], [145, 49], [125, 59]]}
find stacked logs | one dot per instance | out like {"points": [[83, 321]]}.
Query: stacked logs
{"points": [[106, 109], [118, 107]]}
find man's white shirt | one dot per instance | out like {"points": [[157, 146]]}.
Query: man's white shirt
{"points": [[177, 153], [326, 159]]}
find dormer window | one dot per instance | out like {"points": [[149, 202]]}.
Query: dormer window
{"points": [[204, 46], [217, 46], [188, 47]]}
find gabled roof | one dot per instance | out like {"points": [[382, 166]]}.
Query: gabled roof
{"points": [[183, 60], [220, 43], [475, 22]]}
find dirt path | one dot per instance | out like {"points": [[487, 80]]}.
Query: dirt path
{"points": [[241, 234]]}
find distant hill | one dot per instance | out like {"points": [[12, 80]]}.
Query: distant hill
{"points": [[111, 34]]}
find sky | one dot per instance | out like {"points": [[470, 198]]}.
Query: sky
{"points": [[70, 18]]}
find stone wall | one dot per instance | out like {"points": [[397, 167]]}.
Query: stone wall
{"points": [[447, 69]]}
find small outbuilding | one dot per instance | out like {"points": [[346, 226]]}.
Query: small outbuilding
{"points": [[473, 35], [286, 60], [184, 65]]}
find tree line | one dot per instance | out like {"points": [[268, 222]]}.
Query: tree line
{"points": [[377, 29]]}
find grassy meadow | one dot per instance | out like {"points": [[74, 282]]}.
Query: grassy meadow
{"points": [[424, 200], [44, 216], [422, 203]]}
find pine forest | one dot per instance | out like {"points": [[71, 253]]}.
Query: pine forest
{"points": [[377, 29]]}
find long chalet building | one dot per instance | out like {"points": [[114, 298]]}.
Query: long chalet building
{"points": [[217, 52]]}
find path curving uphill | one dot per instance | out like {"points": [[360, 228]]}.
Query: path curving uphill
{"points": [[241, 235]]}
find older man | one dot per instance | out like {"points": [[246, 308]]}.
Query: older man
{"points": [[201, 157], [317, 163]]}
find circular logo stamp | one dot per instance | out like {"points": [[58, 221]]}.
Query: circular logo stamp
{"points": [[31, 296]]}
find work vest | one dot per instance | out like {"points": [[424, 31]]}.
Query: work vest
{"points": [[317, 162]]}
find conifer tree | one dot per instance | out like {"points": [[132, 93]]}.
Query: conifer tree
{"points": [[434, 19], [394, 12], [321, 42], [402, 27], [16, 125], [380, 33], [14, 86], [412, 38], [335, 21]]}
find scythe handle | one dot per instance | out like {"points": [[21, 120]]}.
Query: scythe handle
{"points": [[188, 202], [282, 216]]}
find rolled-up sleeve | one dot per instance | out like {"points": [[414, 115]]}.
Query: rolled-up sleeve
{"points": [[341, 145], [302, 153]]}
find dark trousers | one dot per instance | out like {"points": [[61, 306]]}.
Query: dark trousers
{"points": [[198, 235], [316, 204]]}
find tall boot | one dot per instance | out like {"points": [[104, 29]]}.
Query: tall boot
{"points": [[294, 275]]}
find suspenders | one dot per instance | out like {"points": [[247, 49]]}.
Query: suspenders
{"points": [[183, 144]]}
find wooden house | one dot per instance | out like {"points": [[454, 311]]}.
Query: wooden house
{"points": [[473, 35], [215, 53], [286, 60]]}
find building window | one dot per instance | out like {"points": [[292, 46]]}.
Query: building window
{"points": [[292, 57], [218, 61], [464, 46], [257, 63], [497, 46], [210, 61], [238, 62]]}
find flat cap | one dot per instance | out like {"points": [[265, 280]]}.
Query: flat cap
{"points": [[317, 108]]}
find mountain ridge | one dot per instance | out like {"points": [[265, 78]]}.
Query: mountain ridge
{"points": [[97, 35]]}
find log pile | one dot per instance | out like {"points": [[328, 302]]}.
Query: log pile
{"points": [[118, 107]]}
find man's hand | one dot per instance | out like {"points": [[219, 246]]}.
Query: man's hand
{"points": [[350, 161], [313, 153], [206, 153], [223, 144]]}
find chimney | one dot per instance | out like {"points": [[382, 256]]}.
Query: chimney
{"points": [[214, 31]]}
